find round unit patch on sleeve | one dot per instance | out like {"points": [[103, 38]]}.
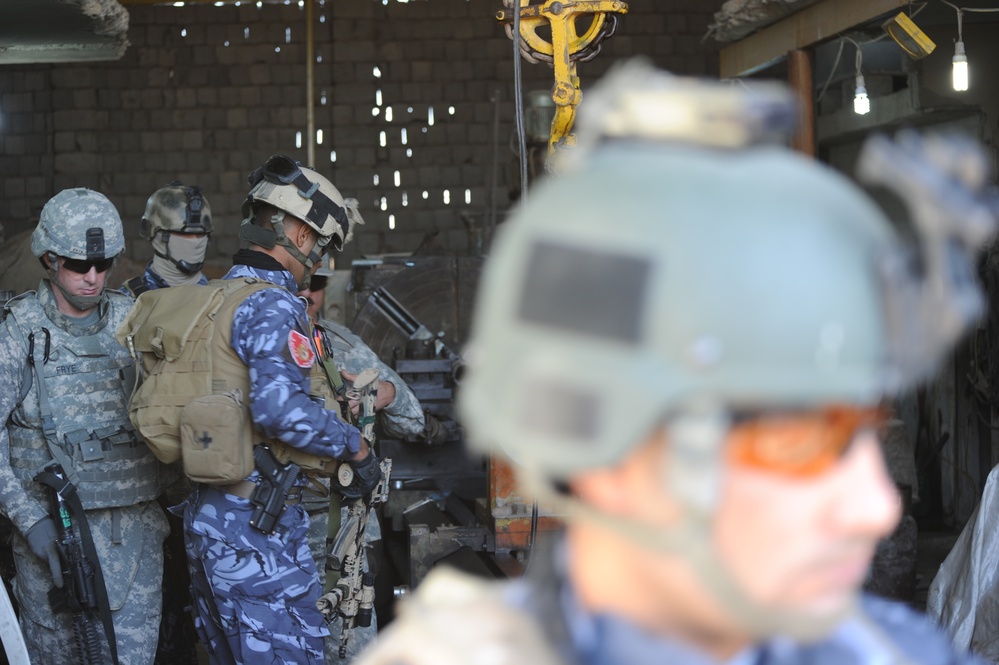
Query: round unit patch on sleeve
{"points": [[301, 349]]}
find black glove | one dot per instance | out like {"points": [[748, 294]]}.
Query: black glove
{"points": [[42, 541], [367, 474]]}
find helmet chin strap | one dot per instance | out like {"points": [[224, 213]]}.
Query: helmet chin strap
{"points": [[82, 303], [691, 540], [694, 471], [267, 238]]}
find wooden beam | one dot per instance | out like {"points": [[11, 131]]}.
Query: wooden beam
{"points": [[806, 28], [799, 74]]}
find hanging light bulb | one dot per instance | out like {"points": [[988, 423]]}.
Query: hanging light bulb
{"points": [[861, 102], [960, 73]]}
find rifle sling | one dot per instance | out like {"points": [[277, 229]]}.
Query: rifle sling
{"points": [[72, 499]]}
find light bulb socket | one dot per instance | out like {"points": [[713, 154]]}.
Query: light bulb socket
{"points": [[861, 86], [959, 55]]}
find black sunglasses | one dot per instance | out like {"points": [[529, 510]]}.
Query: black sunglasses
{"points": [[83, 267]]}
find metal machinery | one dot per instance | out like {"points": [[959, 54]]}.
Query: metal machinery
{"points": [[414, 312], [562, 33]]}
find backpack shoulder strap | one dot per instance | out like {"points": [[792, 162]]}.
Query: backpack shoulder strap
{"points": [[136, 286]]}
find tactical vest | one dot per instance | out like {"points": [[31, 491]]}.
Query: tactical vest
{"points": [[184, 334], [82, 402]]}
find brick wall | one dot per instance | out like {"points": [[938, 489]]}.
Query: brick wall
{"points": [[206, 93]]}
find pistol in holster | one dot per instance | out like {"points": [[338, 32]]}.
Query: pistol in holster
{"points": [[270, 495]]}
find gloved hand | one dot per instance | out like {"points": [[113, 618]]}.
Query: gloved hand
{"points": [[367, 474], [42, 541]]}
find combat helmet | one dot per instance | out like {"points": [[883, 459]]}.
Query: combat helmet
{"points": [[302, 192], [176, 208], [684, 267], [78, 224]]}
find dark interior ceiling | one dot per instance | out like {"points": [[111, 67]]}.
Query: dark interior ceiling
{"points": [[61, 30]]}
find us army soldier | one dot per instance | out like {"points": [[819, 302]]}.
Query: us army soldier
{"points": [[64, 388]]}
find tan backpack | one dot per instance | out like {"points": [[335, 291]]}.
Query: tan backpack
{"points": [[186, 406]]}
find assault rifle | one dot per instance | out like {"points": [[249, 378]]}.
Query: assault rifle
{"points": [[82, 582], [352, 598]]}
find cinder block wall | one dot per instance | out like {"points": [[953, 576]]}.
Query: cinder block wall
{"points": [[206, 93]]}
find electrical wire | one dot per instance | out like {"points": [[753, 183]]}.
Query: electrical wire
{"points": [[970, 10], [839, 53], [832, 71], [518, 101]]}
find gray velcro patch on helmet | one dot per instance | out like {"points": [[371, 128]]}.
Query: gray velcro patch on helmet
{"points": [[553, 407], [584, 291]]}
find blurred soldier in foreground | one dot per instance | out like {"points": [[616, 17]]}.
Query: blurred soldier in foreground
{"points": [[750, 308], [400, 415], [177, 222], [64, 389]]}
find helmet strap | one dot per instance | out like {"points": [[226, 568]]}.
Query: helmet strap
{"points": [[696, 438], [82, 303], [269, 239]]}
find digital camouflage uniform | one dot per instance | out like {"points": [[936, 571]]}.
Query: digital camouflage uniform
{"points": [[456, 619], [255, 594], [86, 378], [402, 418]]}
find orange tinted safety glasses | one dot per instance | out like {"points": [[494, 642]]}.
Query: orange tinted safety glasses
{"points": [[798, 444]]}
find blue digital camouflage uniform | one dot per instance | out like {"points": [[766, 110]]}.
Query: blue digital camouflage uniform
{"points": [[455, 619], [151, 281], [255, 594], [403, 417], [84, 378]]}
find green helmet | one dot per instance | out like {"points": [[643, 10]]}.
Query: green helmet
{"points": [[176, 208], [679, 270], [78, 224]]}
